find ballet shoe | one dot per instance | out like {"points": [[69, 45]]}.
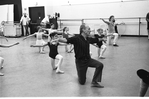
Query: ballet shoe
{"points": [[1, 74], [59, 72], [96, 84], [42, 52], [101, 57]]}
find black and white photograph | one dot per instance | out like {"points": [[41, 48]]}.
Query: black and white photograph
{"points": [[74, 48]]}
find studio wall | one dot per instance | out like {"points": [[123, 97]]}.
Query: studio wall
{"points": [[17, 8], [104, 10], [133, 9], [74, 9]]}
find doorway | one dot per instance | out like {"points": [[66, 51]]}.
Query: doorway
{"points": [[36, 14]]}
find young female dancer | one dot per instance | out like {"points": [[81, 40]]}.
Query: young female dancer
{"points": [[53, 54], [51, 30], [66, 35], [1, 58], [39, 40], [111, 29], [100, 43]]}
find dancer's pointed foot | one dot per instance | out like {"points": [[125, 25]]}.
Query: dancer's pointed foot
{"points": [[101, 57], [42, 52], [59, 72], [1, 74]]}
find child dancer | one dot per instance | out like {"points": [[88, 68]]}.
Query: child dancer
{"points": [[51, 30], [66, 35], [99, 42], [53, 54], [39, 40], [111, 29], [2, 59]]}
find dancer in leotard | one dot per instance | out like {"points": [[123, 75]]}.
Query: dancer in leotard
{"points": [[99, 42], [39, 40], [53, 54]]}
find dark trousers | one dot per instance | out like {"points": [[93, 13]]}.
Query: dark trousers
{"points": [[82, 66]]}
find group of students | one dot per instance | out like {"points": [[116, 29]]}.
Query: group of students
{"points": [[53, 34], [81, 45], [97, 40]]}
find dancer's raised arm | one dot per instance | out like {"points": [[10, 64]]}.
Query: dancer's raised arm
{"points": [[7, 46], [104, 21], [29, 36]]}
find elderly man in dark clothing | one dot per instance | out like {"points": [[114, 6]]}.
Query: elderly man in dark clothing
{"points": [[83, 59]]}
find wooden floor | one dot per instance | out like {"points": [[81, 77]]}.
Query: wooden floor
{"points": [[29, 74]]}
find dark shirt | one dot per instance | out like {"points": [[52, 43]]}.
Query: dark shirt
{"points": [[65, 35], [81, 47]]}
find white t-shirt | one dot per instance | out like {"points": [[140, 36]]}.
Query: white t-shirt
{"points": [[25, 20]]}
